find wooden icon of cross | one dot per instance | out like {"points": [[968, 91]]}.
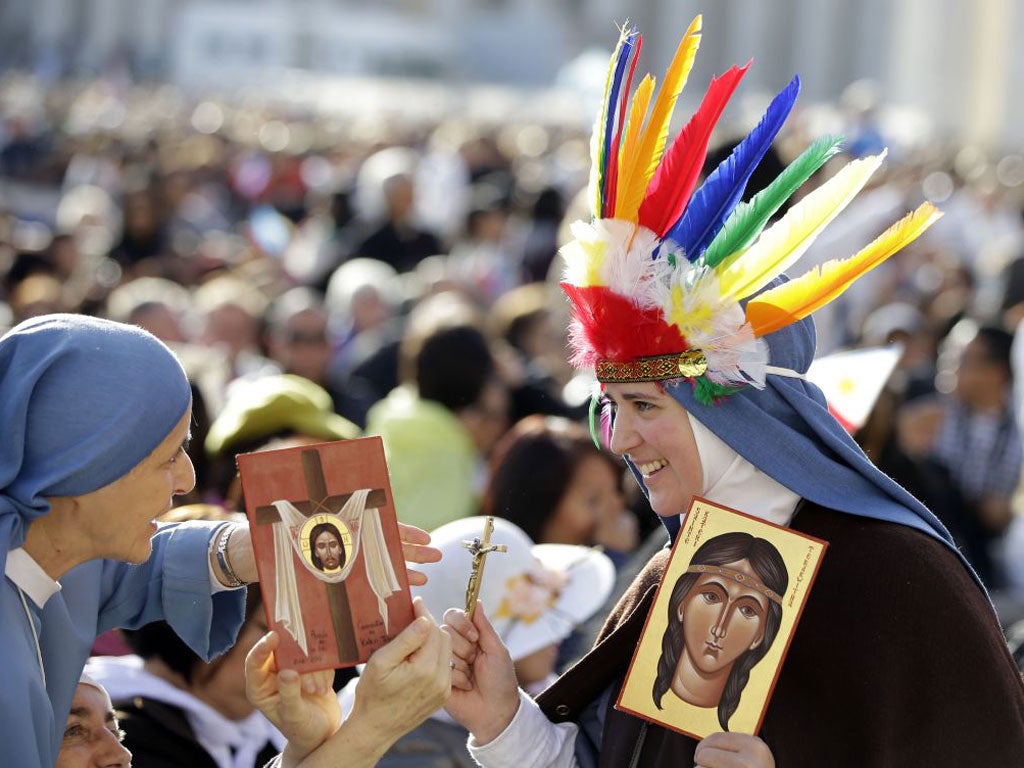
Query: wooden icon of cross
{"points": [[320, 502]]}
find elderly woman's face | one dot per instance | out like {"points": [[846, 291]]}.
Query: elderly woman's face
{"points": [[652, 430], [117, 519], [92, 738]]}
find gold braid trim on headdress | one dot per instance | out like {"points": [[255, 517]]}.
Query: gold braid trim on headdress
{"points": [[686, 364], [739, 577]]}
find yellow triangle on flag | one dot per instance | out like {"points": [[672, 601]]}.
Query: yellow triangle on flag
{"points": [[852, 381]]}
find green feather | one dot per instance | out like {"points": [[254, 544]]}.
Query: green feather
{"points": [[595, 403], [708, 392], [749, 218]]}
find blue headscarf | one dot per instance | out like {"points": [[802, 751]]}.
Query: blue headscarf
{"points": [[82, 401], [787, 432]]}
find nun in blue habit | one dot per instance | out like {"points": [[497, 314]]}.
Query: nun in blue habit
{"points": [[95, 417]]}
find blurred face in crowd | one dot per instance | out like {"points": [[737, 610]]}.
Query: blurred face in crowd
{"points": [[400, 194], [537, 669], [981, 381], [487, 420], [161, 321], [140, 218], [92, 738], [65, 255], [232, 328], [369, 309], [302, 347], [545, 343], [221, 684], [593, 492]]}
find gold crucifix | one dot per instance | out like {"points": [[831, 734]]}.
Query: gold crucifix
{"points": [[479, 548]]}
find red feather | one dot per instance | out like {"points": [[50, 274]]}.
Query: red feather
{"points": [[607, 326], [677, 174], [612, 164]]}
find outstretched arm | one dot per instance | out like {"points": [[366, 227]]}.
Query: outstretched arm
{"points": [[508, 729], [403, 683], [415, 548], [485, 694]]}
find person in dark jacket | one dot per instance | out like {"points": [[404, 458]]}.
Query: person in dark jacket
{"points": [[701, 346]]}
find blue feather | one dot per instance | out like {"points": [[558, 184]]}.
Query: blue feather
{"points": [[612, 110], [723, 189]]}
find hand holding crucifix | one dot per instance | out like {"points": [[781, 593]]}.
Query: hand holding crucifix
{"points": [[479, 549]]}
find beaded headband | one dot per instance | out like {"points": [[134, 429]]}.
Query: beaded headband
{"points": [[752, 582]]}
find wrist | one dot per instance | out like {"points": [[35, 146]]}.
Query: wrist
{"points": [[491, 728], [366, 741], [291, 756], [241, 555], [220, 557]]}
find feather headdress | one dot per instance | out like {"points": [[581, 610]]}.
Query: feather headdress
{"points": [[658, 278]]}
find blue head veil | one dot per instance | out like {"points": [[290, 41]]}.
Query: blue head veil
{"points": [[82, 401], [787, 432]]}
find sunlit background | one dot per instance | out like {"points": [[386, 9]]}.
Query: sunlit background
{"points": [[213, 170], [945, 69]]}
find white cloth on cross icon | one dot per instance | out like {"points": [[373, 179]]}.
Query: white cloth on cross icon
{"points": [[369, 535]]}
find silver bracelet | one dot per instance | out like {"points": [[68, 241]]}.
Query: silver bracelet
{"points": [[221, 553]]}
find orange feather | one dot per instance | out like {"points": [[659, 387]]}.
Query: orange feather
{"points": [[787, 303], [628, 195], [655, 133]]}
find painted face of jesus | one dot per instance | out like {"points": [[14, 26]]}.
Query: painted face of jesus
{"points": [[328, 550], [722, 619]]}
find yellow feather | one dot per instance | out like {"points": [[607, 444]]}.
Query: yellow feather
{"points": [[652, 143], [628, 196], [788, 239], [785, 304]]}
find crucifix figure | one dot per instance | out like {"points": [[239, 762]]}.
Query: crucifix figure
{"points": [[320, 502], [479, 549]]}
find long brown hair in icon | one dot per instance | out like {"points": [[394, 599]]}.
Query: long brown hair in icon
{"points": [[723, 615]]}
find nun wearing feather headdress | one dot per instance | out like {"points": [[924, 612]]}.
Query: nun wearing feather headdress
{"points": [[700, 343], [96, 418]]}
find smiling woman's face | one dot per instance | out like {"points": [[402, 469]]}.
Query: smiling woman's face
{"points": [[652, 430], [722, 619]]}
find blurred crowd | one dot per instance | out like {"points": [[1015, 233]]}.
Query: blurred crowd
{"points": [[324, 278]]}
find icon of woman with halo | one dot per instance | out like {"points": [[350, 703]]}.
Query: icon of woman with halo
{"points": [[723, 615], [326, 550]]}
